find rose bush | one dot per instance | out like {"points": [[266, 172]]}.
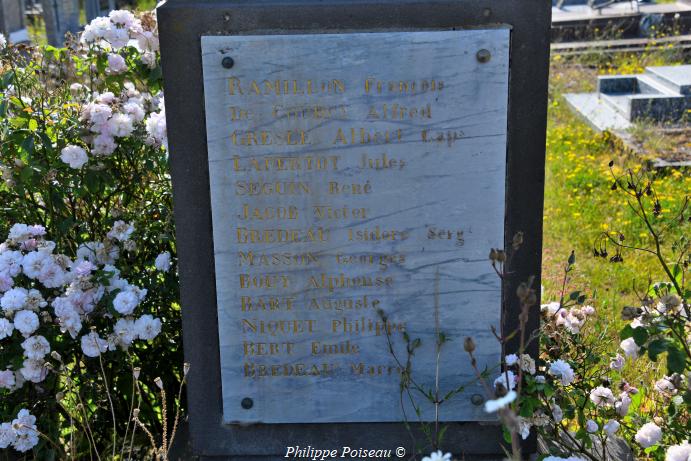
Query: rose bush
{"points": [[88, 287], [580, 396]]}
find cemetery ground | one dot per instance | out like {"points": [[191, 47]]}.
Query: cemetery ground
{"points": [[579, 202]]}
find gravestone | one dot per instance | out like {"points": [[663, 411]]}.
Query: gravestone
{"points": [[12, 23], [340, 172], [61, 17]]}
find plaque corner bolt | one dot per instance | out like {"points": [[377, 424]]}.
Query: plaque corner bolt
{"points": [[247, 403], [483, 56], [477, 399], [227, 62]]}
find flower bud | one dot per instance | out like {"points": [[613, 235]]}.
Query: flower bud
{"points": [[185, 368], [135, 372], [59, 396], [469, 345], [630, 312], [56, 356], [159, 382]]}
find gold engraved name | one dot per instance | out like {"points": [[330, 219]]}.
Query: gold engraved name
{"points": [[252, 348], [374, 370], [264, 281], [365, 325], [266, 303], [278, 327], [371, 259], [272, 188], [364, 136], [343, 304], [256, 370], [266, 138], [338, 188], [268, 213], [397, 112], [341, 281], [344, 212], [248, 235], [372, 85], [249, 258], [287, 163], [315, 111], [381, 163], [376, 234], [345, 347], [284, 87]]}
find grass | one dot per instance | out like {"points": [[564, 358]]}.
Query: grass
{"points": [[579, 204]]}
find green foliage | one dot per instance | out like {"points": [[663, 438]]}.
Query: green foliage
{"points": [[43, 95]]}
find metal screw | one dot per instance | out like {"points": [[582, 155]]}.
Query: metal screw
{"points": [[247, 403], [227, 62], [483, 55], [477, 399]]}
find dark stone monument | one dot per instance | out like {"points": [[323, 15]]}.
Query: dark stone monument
{"points": [[61, 17], [12, 23], [340, 172]]}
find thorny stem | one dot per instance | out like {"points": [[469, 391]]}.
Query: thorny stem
{"points": [[129, 417], [148, 433], [177, 415], [110, 401], [134, 427], [164, 414]]}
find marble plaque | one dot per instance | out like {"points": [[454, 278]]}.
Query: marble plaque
{"points": [[352, 174]]}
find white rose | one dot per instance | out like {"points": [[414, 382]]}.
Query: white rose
{"points": [[611, 427], [36, 347], [93, 345], [563, 371], [629, 347], [6, 380], [6, 328], [162, 263], [648, 435], [26, 322], [679, 452], [602, 396], [506, 379], [147, 327], [116, 64], [125, 302], [74, 156]]}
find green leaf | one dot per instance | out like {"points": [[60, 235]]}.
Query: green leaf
{"points": [[640, 336], [676, 359], [28, 145], [626, 332], [507, 434], [656, 348], [92, 181]]}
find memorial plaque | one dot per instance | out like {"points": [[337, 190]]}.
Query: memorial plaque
{"points": [[347, 173], [331, 160]]}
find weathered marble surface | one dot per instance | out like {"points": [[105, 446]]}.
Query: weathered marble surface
{"points": [[455, 185]]}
